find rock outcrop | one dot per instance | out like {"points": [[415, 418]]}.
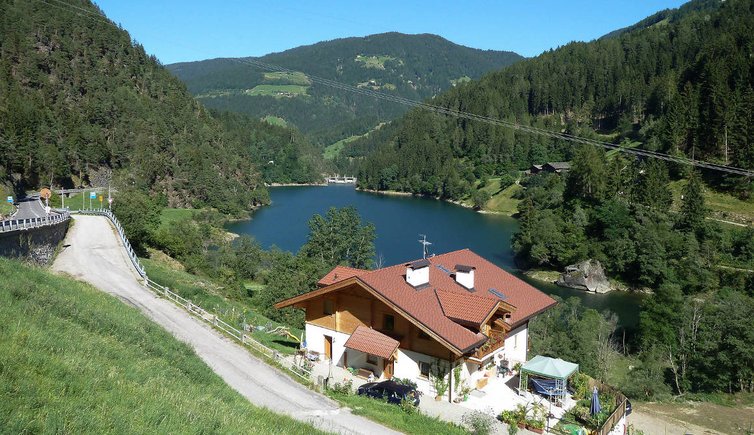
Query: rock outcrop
{"points": [[587, 275]]}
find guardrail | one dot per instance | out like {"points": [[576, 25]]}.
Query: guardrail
{"points": [[194, 309], [32, 223]]}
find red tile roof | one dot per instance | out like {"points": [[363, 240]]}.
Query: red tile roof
{"points": [[373, 342], [465, 308], [339, 274]]}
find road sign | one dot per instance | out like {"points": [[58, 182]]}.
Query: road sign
{"points": [[10, 199], [45, 193], [92, 195], [100, 198]]}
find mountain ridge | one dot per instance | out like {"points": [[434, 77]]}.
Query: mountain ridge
{"points": [[411, 66]]}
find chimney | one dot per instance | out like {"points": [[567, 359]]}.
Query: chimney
{"points": [[417, 273], [465, 276]]}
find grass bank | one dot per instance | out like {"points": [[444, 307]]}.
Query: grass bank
{"points": [[393, 417], [721, 205], [74, 360], [228, 304]]}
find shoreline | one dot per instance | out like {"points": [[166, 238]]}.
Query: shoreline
{"points": [[294, 184], [450, 201]]}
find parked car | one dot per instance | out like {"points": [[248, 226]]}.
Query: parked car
{"points": [[391, 391]]}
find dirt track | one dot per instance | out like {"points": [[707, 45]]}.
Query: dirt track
{"points": [[93, 253]]}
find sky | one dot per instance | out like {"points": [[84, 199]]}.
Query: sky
{"points": [[188, 30]]}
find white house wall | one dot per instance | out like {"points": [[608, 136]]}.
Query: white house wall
{"points": [[315, 340], [516, 344]]}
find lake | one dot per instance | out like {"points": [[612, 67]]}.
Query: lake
{"points": [[399, 220]]}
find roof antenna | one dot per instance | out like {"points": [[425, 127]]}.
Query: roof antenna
{"points": [[425, 245]]}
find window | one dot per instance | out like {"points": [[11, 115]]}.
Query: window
{"points": [[371, 359], [329, 307], [388, 322], [423, 335], [424, 369]]}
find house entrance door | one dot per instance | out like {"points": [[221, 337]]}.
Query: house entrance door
{"points": [[328, 347], [388, 368]]}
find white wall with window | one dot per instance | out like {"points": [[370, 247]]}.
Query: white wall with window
{"points": [[315, 341], [516, 344]]}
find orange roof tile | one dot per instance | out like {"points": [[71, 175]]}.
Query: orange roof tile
{"points": [[339, 273], [465, 308], [373, 342]]}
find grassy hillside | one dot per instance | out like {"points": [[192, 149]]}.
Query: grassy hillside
{"points": [[74, 360], [412, 66]]}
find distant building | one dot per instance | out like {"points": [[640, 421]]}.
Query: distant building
{"points": [[455, 309], [553, 167]]}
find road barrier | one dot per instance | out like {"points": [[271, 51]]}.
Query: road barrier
{"points": [[162, 291], [55, 218]]}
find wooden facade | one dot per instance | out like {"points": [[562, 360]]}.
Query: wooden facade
{"points": [[344, 310]]}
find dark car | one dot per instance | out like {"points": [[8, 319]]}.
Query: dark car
{"points": [[391, 391]]}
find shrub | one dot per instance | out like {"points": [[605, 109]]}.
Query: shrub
{"points": [[408, 407], [345, 388], [478, 422]]}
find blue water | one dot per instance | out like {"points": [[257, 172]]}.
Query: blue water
{"points": [[398, 221]]}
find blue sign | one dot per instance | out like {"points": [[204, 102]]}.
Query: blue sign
{"points": [[92, 195], [10, 199]]}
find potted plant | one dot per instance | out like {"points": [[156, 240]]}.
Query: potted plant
{"points": [[535, 424]]}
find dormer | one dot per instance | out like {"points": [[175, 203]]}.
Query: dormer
{"points": [[417, 273]]}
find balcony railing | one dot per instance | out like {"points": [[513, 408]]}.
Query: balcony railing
{"points": [[496, 341]]}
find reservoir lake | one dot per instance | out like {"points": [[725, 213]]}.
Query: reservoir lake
{"points": [[399, 220]]}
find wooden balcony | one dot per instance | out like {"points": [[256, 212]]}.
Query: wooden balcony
{"points": [[496, 341]]}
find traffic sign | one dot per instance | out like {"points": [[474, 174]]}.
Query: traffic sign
{"points": [[92, 195], [10, 199], [100, 198]]}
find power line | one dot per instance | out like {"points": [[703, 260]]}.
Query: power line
{"points": [[454, 112]]}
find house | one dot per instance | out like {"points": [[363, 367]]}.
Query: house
{"points": [[556, 167], [553, 167], [407, 320]]}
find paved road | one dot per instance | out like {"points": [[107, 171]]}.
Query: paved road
{"points": [[30, 208], [93, 253]]}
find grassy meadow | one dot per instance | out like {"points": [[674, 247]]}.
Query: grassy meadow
{"points": [[227, 305], [75, 360], [278, 90]]}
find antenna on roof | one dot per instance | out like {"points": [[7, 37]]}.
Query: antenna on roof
{"points": [[425, 245]]}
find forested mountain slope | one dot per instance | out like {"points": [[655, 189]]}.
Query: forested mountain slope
{"points": [[77, 95], [681, 84], [412, 66]]}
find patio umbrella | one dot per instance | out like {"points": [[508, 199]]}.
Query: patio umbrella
{"points": [[595, 408]]}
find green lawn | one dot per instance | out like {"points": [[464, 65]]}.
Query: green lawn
{"points": [[6, 209], [296, 78], [392, 416], [275, 120], [169, 215], [233, 308], [722, 205], [376, 62], [74, 202], [75, 360], [278, 91], [332, 151], [501, 200]]}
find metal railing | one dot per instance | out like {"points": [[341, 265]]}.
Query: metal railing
{"points": [[31, 223], [163, 291]]}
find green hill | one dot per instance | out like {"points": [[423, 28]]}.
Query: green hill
{"points": [[412, 66], [78, 96], [679, 83], [74, 360]]}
